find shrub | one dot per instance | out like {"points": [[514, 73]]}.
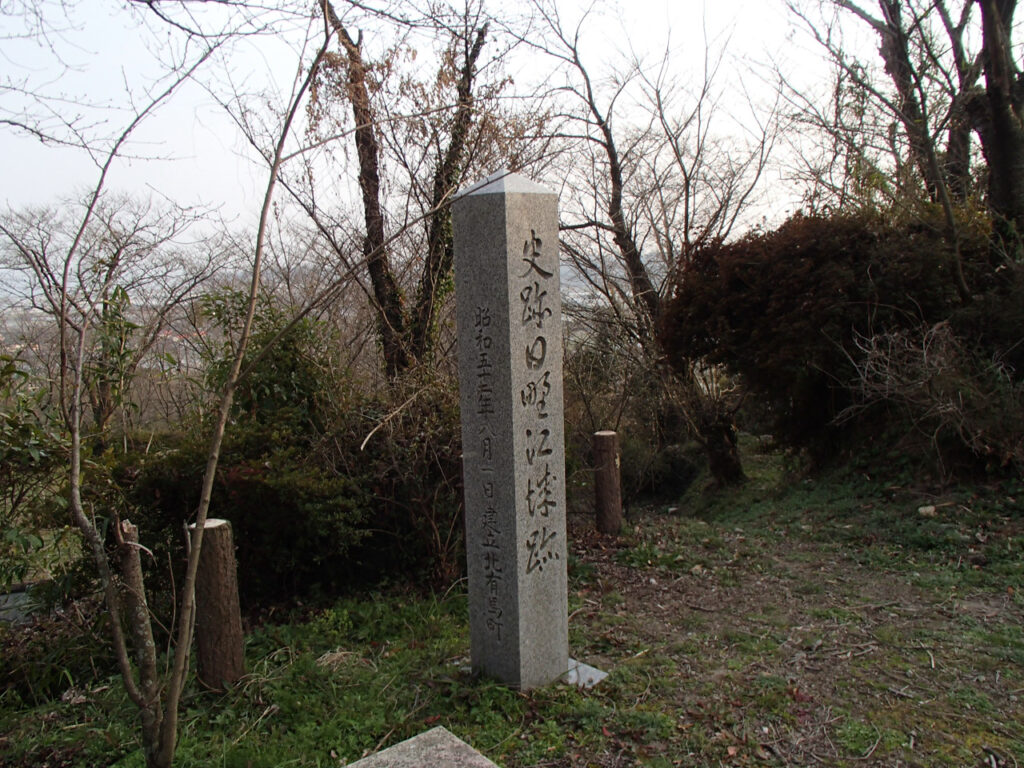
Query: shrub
{"points": [[787, 309], [31, 458], [328, 479], [50, 654], [611, 383], [294, 518], [406, 439], [952, 396], [287, 365], [375, 495]]}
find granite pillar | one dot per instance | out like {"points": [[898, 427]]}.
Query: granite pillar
{"points": [[510, 377]]}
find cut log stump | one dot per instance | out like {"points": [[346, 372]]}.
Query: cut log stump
{"points": [[219, 639]]}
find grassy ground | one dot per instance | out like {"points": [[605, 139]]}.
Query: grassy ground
{"points": [[828, 622]]}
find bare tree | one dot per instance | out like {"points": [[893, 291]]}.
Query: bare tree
{"points": [[132, 270], [932, 78], [1000, 123], [842, 154], [416, 140], [28, 103], [933, 54], [659, 180], [77, 313], [81, 289]]}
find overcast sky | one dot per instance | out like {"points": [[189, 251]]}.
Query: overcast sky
{"points": [[191, 151]]}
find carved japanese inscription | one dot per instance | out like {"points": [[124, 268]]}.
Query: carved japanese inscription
{"points": [[541, 540]]}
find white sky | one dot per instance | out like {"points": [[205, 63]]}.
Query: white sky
{"points": [[191, 152]]}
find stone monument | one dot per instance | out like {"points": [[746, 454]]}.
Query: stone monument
{"points": [[509, 320]]}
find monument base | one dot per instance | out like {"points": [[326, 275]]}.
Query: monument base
{"points": [[581, 675]]}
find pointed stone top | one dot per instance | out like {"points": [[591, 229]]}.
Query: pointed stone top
{"points": [[505, 182], [435, 747]]}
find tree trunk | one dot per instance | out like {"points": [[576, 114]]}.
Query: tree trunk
{"points": [[895, 51], [607, 482], [896, 54], [387, 295], [957, 165], [438, 266], [957, 168], [720, 446], [219, 640], [647, 300], [1004, 142], [136, 611]]}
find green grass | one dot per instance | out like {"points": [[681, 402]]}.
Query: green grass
{"points": [[827, 613], [356, 677]]}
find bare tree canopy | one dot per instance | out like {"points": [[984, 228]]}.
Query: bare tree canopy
{"points": [[944, 118]]}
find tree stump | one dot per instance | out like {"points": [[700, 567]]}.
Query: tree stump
{"points": [[607, 485], [219, 639]]}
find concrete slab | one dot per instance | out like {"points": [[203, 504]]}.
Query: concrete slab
{"points": [[436, 747], [16, 607]]}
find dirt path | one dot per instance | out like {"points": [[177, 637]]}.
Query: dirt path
{"points": [[774, 648]]}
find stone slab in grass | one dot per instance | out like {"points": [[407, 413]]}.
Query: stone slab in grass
{"points": [[583, 675], [436, 747]]}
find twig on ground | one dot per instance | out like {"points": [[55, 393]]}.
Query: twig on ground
{"points": [[700, 608], [271, 709], [576, 612], [862, 650]]}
